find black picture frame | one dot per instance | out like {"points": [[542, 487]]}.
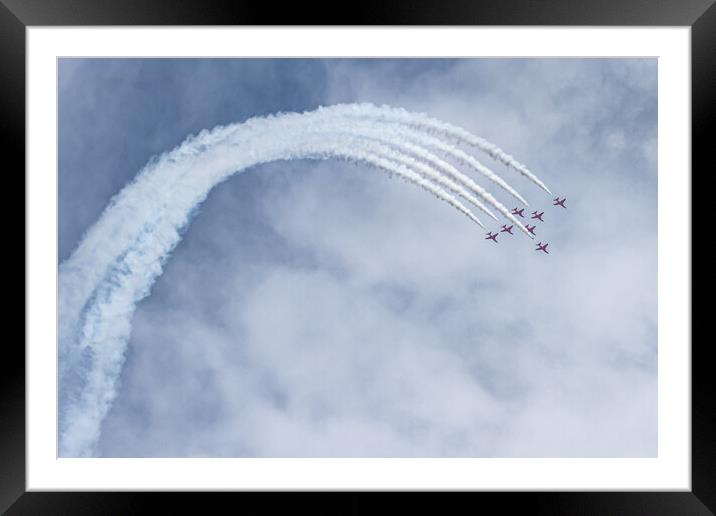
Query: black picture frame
{"points": [[17, 15]]}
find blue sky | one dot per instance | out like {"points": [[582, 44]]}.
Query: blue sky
{"points": [[323, 309]]}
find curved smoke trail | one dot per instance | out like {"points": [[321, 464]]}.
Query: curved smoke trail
{"points": [[423, 121], [123, 253], [397, 139]]}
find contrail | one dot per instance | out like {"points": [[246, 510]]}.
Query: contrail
{"points": [[401, 165], [461, 157], [123, 253], [421, 120], [390, 143], [428, 172], [451, 171], [378, 133], [402, 136]]}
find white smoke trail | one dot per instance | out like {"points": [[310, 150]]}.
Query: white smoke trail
{"points": [[451, 171], [378, 132], [399, 165], [120, 257], [392, 140], [461, 157], [397, 135], [432, 174], [421, 120], [178, 162]]}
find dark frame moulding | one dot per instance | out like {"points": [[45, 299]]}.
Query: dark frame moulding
{"points": [[16, 15]]}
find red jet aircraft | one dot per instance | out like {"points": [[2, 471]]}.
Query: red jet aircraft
{"points": [[506, 229], [541, 247], [515, 211], [536, 215], [490, 236], [531, 229], [557, 202]]}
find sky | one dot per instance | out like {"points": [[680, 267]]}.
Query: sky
{"points": [[323, 309]]}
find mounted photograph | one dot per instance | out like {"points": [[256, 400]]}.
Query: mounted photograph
{"points": [[357, 257]]}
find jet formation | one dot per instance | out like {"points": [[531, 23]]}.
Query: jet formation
{"points": [[536, 215]]}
